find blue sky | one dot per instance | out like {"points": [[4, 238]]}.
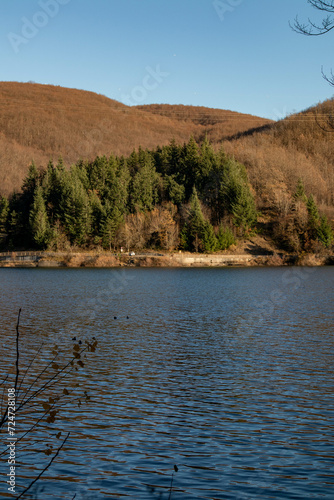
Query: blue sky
{"points": [[230, 54]]}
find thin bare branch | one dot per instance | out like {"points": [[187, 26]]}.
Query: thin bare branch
{"points": [[311, 28], [323, 5], [45, 468], [329, 79], [17, 351], [28, 368]]}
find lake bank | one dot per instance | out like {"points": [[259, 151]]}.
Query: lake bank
{"points": [[175, 259]]}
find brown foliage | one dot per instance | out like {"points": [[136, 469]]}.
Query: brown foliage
{"points": [[39, 122], [297, 147], [155, 229], [42, 121]]}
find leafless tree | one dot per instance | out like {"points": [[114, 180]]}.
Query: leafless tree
{"points": [[40, 393], [312, 28]]}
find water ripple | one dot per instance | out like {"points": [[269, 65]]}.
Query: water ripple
{"points": [[194, 372]]}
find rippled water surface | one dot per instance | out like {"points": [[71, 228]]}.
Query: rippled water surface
{"points": [[227, 373]]}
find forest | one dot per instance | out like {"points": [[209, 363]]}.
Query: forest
{"points": [[187, 197]]}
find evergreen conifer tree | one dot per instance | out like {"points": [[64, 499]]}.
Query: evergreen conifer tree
{"points": [[144, 190], [313, 218], [75, 209], [300, 191], [110, 225], [209, 240], [173, 159], [225, 238], [325, 232], [236, 197], [188, 166], [198, 233], [206, 163], [4, 212], [174, 192], [38, 220], [313, 213]]}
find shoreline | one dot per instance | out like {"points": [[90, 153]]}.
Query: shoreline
{"points": [[173, 259]]}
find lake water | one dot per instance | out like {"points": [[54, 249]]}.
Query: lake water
{"points": [[226, 373]]}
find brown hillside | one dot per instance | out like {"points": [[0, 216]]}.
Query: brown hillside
{"points": [[276, 154], [218, 124], [39, 122], [300, 146]]}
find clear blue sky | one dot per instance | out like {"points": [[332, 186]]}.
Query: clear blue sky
{"points": [[241, 55]]}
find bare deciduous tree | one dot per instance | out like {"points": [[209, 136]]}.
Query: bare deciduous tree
{"points": [[312, 28]]}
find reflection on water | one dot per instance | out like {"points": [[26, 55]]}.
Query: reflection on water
{"points": [[227, 373]]}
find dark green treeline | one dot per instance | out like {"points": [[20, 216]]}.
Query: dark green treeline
{"points": [[178, 196]]}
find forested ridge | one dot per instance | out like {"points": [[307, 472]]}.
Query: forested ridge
{"points": [[188, 197], [173, 196], [39, 122], [108, 185]]}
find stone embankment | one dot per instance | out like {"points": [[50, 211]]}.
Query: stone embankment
{"points": [[177, 259]]}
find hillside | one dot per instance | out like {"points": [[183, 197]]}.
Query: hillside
{"points": [[217, 124], [39, 122], [300, 146], [236, 175], [276, 154], [42, 122]]}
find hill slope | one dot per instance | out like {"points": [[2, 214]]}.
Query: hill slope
{"points": [[39, 122], [217, 124], [300, 146]]}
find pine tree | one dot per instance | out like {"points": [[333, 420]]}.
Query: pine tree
{"points": [[313, 218], [185, 244], [300, 194], [75, 209], [174, 192], [313, 213], [52, 188], [188, 166], [17, 225], [209, 240], [225, 238], [198, 233], [243, 208], [4, 212], [173, 159], [206, 163], [38, 220], [144, 188], [98, 214], [325, 232], [196, 218], [117, 184], [236, 197], [110, 225], [30, 182], [13, 228]]}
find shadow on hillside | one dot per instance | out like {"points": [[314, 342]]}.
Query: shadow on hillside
{"points": [[255, 249], [249, 132]]}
